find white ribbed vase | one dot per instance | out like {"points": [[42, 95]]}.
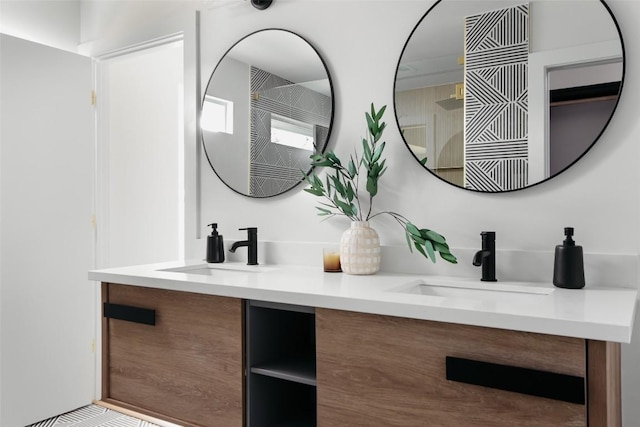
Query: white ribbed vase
{"points": [[360, 249]]}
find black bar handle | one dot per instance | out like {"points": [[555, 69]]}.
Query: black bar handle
{"points": [[533, 382], [129, 313]]}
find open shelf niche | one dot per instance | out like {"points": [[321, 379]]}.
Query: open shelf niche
{"points": [[281, 365]]}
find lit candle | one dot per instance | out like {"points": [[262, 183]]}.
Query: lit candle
{"points": [[331, 260]]}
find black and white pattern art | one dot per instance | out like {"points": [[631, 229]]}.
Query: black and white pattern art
{"points": [[496, 95], [275, 168], [93, 416]]}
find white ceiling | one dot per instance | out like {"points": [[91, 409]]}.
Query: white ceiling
{"points": [[281, 53]]}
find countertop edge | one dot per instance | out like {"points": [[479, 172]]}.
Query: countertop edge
{"points": [[600, 331]]}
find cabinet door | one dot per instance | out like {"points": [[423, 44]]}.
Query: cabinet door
{"points": [[186, 368], [381, 370]]}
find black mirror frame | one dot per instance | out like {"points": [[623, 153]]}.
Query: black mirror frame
{"points": [[622, 79], [326, 142]]}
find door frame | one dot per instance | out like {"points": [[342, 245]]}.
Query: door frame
{"points": [[189, 177]]}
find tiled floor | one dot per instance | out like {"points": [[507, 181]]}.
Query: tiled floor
{"points": [[93, 416]]}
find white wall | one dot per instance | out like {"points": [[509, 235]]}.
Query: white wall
{"points": [[48, 311], [561, 24], [111, 25], [52, 23]]}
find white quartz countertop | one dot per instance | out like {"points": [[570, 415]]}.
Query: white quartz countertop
{"points": [[595, 312]]}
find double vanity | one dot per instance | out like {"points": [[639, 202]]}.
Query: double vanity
{"points": [[269, 345]]}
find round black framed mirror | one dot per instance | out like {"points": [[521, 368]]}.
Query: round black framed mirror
{"points": [[268, 106], [500, 95]]}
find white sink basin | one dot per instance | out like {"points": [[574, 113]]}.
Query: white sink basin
{"points": [[476, 290], [216, 269]]}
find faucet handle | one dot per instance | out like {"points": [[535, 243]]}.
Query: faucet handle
{"points": [[250, 229]]}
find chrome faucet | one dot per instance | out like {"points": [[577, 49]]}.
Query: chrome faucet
{"points": [[487, 256], [251, 243]]}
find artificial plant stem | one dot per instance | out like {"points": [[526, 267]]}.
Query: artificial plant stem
{"points": [[356, 184], [401, 219]]}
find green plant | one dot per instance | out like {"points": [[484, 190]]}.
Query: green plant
{"points": [[341, 194]]}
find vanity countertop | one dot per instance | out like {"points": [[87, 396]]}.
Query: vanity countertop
{"points": [[595, 312]]}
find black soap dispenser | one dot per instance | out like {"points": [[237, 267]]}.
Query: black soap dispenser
{"points": [[568, 270], [215, 245]]}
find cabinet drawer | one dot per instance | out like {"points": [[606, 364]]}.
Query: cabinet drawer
{"points": [[382, 370], [184, 366]]}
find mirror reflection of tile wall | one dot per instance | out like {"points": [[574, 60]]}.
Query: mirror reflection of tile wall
{"points": [[274, 168], [432, 121], [496, 99]]}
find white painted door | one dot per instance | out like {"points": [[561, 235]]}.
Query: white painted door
{"points": [[141, 188], [47, 305]]}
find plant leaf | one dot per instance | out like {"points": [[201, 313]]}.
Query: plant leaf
{"points": [[420, 249], [372, 186], [351, 168], [449, 257], [314, 191], [420, 240], [408, 236], [412, 229], [440, 247], [323, 211], [433, 236], [345, 208], [429, 247], [333, 159], [306, 177], [337, 184], [321, 162], [373, 126], [367, 150], [350, 192], [378, 152]]}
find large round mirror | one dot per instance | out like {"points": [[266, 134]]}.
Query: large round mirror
{"points": [[497, 96], [267, 108]]}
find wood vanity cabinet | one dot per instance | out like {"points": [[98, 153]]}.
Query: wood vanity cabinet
{"points": [[185, 368], [391, 371]]}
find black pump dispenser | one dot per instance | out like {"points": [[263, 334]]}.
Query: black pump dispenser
{"points": [[215, 245], [568, 270]]}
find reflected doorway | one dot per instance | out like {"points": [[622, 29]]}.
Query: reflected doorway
{"points": [[581, 102]]}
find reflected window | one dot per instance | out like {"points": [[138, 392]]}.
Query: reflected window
{"points": [[217, 115], [291, 132]]}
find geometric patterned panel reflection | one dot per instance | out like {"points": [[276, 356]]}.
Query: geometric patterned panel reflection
{"points": [[496, 99], [275, 168]]}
